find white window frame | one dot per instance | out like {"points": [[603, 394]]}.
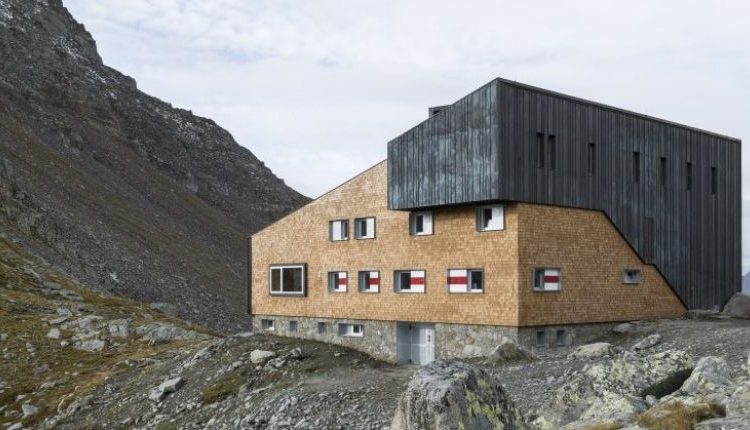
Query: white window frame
{"points": [[428, 220], [412, 288], [540, 271], [281, 267], [367, 288], [351, 330], [464, 289], [369, 224], [632, 276], [337, 287], [498, 213], [343, 230]]}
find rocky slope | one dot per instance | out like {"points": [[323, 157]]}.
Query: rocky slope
{"points": [[120, 189]]}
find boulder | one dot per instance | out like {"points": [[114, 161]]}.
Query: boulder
{"points": [[157, 333], [90, 345], [614, 389], [724, 424], [119, 328], [704, 314], [3, 337], [165, 308], [455, 395], [622, 328], [166, 388], [647, 342], [594, 350], [711, 375], [738, 306], [738, 404], [54, 333], [259, 356], [16, 426], [29, 410], [508, 350]]}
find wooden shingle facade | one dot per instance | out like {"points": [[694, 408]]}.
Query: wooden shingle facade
{"points": [[672, 191]]}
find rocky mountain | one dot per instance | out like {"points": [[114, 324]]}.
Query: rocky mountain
{"points": [[117, 188]]}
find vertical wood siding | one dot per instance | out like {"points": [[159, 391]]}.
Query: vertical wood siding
{"points": [[484, 147]]}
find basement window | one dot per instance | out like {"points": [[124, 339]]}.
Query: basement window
{"points": [[337, 282], [287, 280], [490, 218], [420, 223], [338, 230], [364, 228], [465, 281], [561, 337], [369, 282], [409, 281], [547, 279], [322, 328], [267, 325], [714, 181], [351, 330], [631, 276], [541, 339], [292, 326]]}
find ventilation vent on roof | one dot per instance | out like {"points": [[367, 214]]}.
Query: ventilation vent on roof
{"points": [[437, 109]]}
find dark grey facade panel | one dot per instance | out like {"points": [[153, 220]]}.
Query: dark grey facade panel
{"points": [[486, 147]]}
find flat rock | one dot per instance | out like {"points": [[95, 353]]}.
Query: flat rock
{"points": [[704, 314], [622, 328], [119, 328], [647, 342], [54, 333], [172, 385], [738, 306], [508, 350], [90, 345], [260, 357], [29, 410], [455, 395], [157, 333], [594, 350], [165, 308]]}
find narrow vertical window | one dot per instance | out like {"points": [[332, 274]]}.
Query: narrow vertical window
{"points": [[637, 167], [552, 152], [689, 175], [592, 158], [540, 150], [714, 181], [663, 171]]}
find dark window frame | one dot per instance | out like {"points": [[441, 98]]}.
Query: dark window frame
{"points": [[468, 281], [398, 288], [480, 219], [281, 268], [632, 276], [591, 158], [413, 219], [358, 220], [534, 276], [345, 230], [332, 289], [360, 285]]}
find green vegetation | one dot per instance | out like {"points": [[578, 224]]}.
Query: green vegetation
{"points": [[677, 415]]}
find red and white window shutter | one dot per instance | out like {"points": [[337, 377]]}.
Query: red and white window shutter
{"points": [[339, 282], [458, 280], [373, 283], [551, 280], [417, 281]]}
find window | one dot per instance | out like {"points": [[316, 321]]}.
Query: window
{"points": [[490, 218], [465, 281], [631, 276], [541, 339], [420, 223], [288, 280], [322, 328], [540, 150], [338, 230], [364, 228], [714, 181], [337, 282], [637, 167], [689, 176], [292, 326], [546, 279], [267, 325], [409, 281], [561, 337], [592, 158], [351, 330], [552, 157], [369, 282], [663, 171]]}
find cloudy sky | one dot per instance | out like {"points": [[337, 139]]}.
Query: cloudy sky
{"points": [[317, 88]]}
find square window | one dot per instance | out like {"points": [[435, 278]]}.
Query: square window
{"points": [[338, 230], [337, 282], [490, 218], [287, 280], [267, 325], [351, 330], [292, 326], [465, 280], [541, 339], [369, 282], [322, 328], [547, 279], [409, 281], [420, 223], [631, 276], [364, 228], [561, 338]]}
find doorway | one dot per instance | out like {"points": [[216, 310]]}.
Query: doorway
{"points": [[415, 343]]}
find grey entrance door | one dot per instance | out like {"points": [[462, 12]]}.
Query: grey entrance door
{"points": [[415, 342]]}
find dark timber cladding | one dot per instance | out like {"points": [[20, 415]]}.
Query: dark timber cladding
{"points": [[672, 191]]}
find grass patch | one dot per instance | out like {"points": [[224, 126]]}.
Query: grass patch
{"points": [[676, 415], [228, 385], [603, 426]]}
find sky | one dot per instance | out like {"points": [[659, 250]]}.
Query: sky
{"points": [[316, 89]]}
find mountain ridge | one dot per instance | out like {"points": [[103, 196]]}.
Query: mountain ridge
{"points": [[116, 187]]}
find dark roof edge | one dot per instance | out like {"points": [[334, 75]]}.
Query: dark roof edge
{"points": [[613, 108]]}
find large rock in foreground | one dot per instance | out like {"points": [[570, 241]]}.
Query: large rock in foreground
{"points": [[455, 395], [738, 306]]}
